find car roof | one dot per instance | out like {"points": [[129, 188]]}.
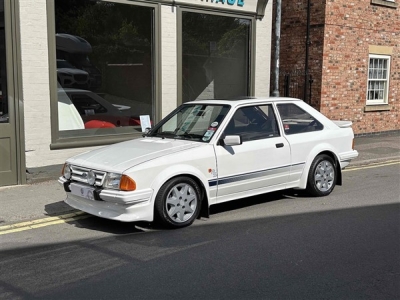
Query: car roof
{"points": [[74, 90], [242, 101]]}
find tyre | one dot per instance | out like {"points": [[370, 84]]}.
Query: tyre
{"points": [[322, 176], [178, 202]]}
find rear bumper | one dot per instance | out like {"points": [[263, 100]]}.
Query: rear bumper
{"points": [[346, 157]]}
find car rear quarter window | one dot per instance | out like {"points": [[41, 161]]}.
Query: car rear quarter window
{"points": [[295, 120]]}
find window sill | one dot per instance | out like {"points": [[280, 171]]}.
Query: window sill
{"points": [[384, 107], [384, 3]]}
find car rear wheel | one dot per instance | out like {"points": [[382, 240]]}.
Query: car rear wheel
{"points": [[178, 202], [322, 176]]}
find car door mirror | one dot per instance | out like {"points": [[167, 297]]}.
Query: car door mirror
{"points": [[231, 140]]}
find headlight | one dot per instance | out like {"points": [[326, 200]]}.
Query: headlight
{"points": [[112, 181], [67, 171], [119, 182]]}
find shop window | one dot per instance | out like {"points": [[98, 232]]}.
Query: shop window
{"points": [[378, 79], [215, 56], [104, 53]]}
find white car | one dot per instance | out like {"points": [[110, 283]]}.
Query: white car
{"points": [[208, 152]]}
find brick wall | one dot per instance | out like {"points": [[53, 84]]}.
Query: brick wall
{"points": [[341, 35], [350, 31]]}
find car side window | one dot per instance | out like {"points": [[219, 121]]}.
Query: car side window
{"points": [[253, 123], [296, 120]]}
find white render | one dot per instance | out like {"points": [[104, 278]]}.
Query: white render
{"points": [[263, 53], [169, 60], [35, 76]]}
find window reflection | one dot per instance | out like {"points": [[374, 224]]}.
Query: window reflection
{"points": [[104, 64], [215, 62]]}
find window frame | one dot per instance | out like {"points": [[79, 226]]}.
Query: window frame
{"points": [[385, 99], [101, 136], [249, 136], [252, 46], [385, 3], [319, 125]]}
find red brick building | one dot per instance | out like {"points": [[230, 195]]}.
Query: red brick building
{"points": [[353, 61]]}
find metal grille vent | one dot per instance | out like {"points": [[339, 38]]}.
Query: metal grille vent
{"points": [[80, 174]]}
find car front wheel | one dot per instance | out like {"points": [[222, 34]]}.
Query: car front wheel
{"points": [[178, 202], [322, 176]]}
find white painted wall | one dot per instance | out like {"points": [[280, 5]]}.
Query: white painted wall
{"points": [[263, 53], [169, 60]]}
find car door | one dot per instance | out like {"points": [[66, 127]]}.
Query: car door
{"points": [[261, 163], [303, 131]]}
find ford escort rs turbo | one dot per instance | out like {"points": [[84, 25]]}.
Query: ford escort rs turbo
{"points": [[207, 152]]}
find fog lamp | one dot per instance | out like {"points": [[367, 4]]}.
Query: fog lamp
{"points": [[91, 178]]}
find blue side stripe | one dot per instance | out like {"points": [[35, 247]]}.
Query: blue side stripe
{"points": [[246, 176]]}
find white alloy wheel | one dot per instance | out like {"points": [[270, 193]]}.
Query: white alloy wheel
{"points": [[178, 202], [181, 202], [322, 176]]}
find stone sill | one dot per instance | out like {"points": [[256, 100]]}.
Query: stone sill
{"points": [[384, 3], [368, 108]]}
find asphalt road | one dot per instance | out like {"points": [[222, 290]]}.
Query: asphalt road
{"points": [[275, 246]]}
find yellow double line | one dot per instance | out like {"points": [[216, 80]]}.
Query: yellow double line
{"points": [[373, 165], [6, 229]]}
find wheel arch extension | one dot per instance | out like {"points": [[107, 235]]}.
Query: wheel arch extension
{"points": [[311, 158], [205, 207]]}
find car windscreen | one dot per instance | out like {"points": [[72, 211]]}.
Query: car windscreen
{"points": [[64, 64], [197, 122]]}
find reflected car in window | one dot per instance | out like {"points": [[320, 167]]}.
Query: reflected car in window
{"points": [[75, 50], [96, 111], [70, 77], [207, 152]]}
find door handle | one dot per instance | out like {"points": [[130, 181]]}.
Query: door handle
{"points": [[280, 145]]}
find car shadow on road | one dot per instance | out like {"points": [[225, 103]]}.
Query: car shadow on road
{"points": [[58, 208], [116, 227], [250, 201]]}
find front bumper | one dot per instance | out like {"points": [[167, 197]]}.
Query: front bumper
{"points": [[110, 204]]}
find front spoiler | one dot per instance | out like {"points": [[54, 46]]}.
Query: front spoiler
{"points": [[110, 204]]}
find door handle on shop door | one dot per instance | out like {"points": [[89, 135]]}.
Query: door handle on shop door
{"points": [[280, 145]]}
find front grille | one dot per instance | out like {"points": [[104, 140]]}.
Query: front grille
{"points": [[81, 77], [80, 174]]}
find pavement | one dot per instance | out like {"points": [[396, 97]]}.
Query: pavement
{"points": [[36, 201]]}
